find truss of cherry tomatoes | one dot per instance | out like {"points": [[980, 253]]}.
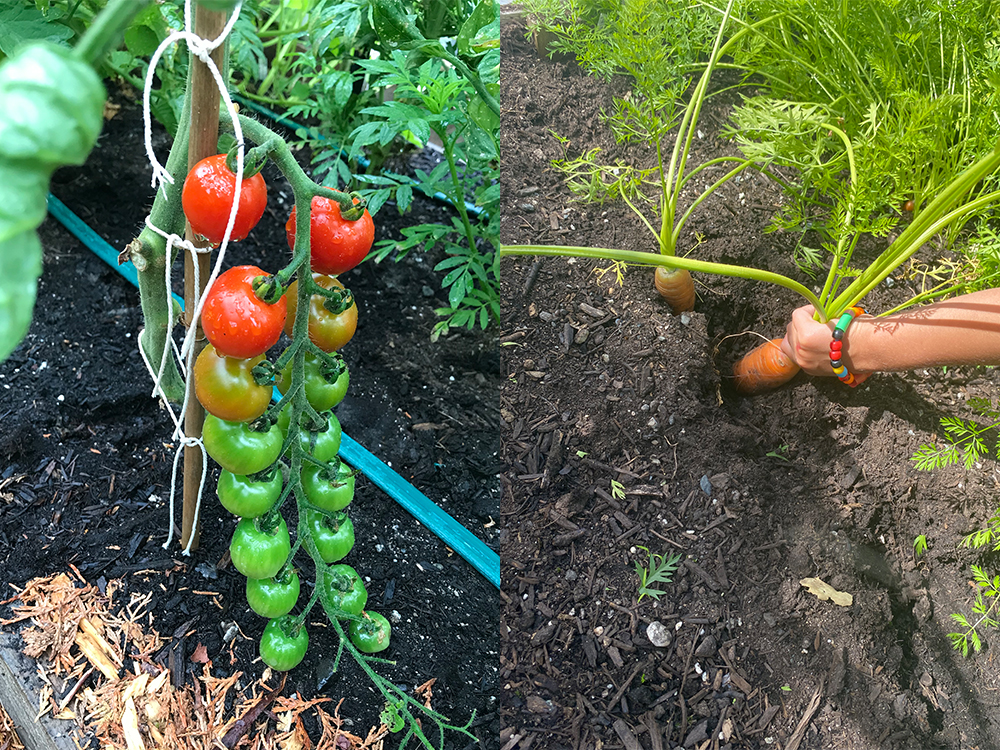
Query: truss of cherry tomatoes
{"points": [[270, 453]]}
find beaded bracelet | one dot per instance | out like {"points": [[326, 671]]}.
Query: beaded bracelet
{"points": [[837, 345]]}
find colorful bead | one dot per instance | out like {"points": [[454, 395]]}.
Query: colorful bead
{"points": [[837, 346]]}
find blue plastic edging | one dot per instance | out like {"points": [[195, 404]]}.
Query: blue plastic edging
{"points": [[291, 124], [450, 531]]}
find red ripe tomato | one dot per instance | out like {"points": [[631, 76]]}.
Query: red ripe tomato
{"points": [[207, 199], [226, 388], [335, 244], [236, 322], [328, 331]]}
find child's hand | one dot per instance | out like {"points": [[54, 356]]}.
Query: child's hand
{"points": [[808, 343]]}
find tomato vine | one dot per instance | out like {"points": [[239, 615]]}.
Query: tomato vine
{"points": [[290, 448]]}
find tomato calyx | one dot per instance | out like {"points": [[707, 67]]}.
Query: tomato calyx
{"points": [[355, 209], [254, 159], [267, 289], [314, 424], [263, 373], [264, 475], [331, 366], [338, 299], [338, 302], [263, 423], [270, 522], [352, 205], [337, 473], [291, 626], [341, 580]]}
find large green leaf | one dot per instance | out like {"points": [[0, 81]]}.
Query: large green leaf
{"points": [[20, 267], [51, 107]]}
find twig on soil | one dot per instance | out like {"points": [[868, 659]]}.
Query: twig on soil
{"points": [[529, 282], [75, 689], [800, 730], [605, 467], [243, 724], [624, 686], [680, 695]]}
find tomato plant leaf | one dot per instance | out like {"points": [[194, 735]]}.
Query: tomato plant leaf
{"points": [[481, 30], [404, 197], [20, 24], [141, 40]]}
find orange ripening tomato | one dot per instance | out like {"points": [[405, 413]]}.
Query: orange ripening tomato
{"points": [[328, 331], [226, 388]]}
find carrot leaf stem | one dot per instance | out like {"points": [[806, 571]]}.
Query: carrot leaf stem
{"points": [[667, 261]]}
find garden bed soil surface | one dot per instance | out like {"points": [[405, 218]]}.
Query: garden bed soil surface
{"points": [[85, 452], [603, 384]]}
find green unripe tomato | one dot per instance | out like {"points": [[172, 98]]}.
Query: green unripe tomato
{"points": [[238, 448], [246, 497], [273, 597], [371, 633], [347, 590], [321, 392], [334, 537], [282, 647], [257, 553], [328, 494], [324, 445]]}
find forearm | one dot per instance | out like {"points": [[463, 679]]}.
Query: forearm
{"points": [[961, 331]]}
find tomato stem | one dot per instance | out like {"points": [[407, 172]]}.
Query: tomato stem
{"points": [[408, 707]]}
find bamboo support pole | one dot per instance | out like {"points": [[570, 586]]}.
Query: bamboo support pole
{"points": [[203, 143]]}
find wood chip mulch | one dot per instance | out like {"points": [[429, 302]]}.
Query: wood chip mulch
{"points": [[8, 733], [121, 695]]}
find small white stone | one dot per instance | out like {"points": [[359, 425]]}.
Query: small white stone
{"points": [[658, 634]]}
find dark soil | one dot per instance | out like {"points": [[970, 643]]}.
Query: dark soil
{"points": [[604, 385], [85, 452]]}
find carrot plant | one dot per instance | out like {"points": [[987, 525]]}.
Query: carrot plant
{"points": [[909, 83], [845, 285], [654, 42], [648, 114]]}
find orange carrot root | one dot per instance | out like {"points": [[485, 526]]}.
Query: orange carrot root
{"points": [[676, 287], [764, 369]]}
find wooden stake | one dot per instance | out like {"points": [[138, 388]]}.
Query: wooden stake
{"points": [[203, 142]]}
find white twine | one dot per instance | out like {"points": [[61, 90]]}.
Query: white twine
{"points": [[202, 49]]}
